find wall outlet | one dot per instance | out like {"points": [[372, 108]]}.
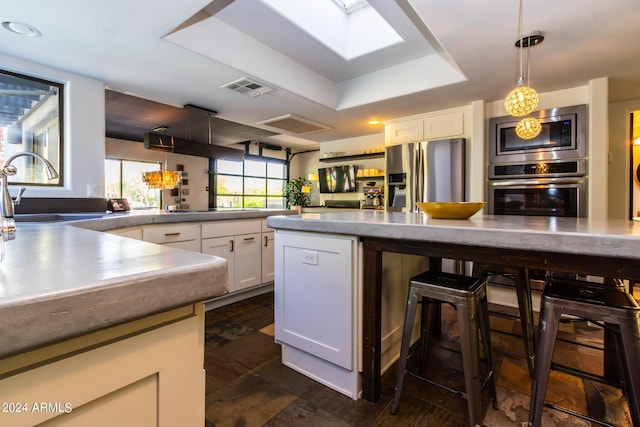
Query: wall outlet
{"points": [[310, 257]]}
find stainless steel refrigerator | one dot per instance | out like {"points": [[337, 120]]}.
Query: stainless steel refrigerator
{"points": [[428, 171]]}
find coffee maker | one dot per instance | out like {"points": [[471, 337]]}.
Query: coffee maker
{"points": [[373, 196]]}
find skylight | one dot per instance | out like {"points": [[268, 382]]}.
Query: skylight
{"points": [[350, 6], [359, 31]]}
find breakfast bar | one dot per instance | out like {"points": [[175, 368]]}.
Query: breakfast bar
{"points": [[605, 248]]}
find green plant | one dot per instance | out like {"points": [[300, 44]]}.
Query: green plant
{"points": [[292, 192]]}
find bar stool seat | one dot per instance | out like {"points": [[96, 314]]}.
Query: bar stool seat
{"points": [[610, 305], [520, 278], [469, 297]]}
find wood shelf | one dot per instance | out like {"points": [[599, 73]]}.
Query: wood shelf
{"points": [[353, 157], [365, 178]]}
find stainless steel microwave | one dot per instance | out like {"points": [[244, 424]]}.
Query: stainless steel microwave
{"points": [[563, 136]]}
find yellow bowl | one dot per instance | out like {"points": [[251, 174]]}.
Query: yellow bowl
{"points": [[450, 210]]}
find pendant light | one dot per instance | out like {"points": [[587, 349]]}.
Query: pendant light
{"points": [[523, 99], [528, 128], [163, 179]]}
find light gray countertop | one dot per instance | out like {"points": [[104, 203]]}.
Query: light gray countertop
{"points": [[619, 238], [64, 279]]}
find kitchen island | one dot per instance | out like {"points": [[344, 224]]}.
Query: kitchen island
{"points": [[97, 329], [607, 248]]}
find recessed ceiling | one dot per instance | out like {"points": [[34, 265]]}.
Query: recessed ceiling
{"points": [[453, 52]]}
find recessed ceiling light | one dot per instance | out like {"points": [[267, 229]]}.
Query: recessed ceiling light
{"points": [[21, 28], [374, 122]]}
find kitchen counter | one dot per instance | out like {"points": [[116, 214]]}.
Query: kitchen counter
{"points": [[618, 238], [58, 282], [605, 248]]}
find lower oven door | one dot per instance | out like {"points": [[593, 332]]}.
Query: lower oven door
{"points": [[539, 197]]}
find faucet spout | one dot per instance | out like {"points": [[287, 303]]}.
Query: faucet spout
{"points": [[7, 203]]}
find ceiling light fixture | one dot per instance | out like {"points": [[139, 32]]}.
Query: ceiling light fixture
{"points": [[374, 122], [523, 99], [21, 28]]}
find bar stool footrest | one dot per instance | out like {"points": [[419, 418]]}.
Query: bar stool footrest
{"points": [[577, 414]]}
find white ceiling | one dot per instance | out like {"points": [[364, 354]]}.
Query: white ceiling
{"points": [[455, 51]]}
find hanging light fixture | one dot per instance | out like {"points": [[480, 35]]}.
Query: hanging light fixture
{"points": [[528, 128], [161, 180], [523, 99]]}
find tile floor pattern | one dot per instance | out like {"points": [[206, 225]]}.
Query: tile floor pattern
{"points": [[246, 385]]}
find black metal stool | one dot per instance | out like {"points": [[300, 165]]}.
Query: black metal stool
{"points": [[520, 278], [617, 309], [469, 296]]}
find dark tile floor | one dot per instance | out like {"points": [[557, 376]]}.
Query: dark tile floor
{"points": [[248, 386]]}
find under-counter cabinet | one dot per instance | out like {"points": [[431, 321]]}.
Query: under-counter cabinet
{"points": [[316, 306], [181, 235], [147, 372], [239, 242]]}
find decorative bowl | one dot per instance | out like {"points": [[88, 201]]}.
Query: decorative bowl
{"points": [[450, 210]]}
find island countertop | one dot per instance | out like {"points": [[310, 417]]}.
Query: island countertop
{"points": [[59, 281], [619, 238]]}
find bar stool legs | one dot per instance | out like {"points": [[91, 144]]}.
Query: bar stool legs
{"points": [[597, 304], [469, 297], [523, 292]]}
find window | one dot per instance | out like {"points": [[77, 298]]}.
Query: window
{"points": [[31, 121], [123, 179], [250, 184]]}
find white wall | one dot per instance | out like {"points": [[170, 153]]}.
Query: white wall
{"points": [[84, 130], [195, 167]]}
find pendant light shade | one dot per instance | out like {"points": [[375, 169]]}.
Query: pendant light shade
{"points": [[528, 128], [161, 180], [523, 99]]}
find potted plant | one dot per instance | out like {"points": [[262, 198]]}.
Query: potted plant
{"points": [[295, 195]]}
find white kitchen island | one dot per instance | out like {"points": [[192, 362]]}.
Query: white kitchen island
{"points": [[607, 248], [102, 330]]}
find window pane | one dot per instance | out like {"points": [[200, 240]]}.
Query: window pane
{"points": [[274, 187], [134, 189], [254, 168], [112, 178], [276, 170], [229, 185], [255, 186], [254, 202], [275, 203], [225, 166], [225, 202], [30, 123]]}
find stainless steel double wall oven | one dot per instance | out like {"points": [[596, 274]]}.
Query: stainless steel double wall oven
{"points": [[544, 176]]}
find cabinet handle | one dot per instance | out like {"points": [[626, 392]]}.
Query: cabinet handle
{"points": [[246, 239], [266, 241], [230, 245], [171, 234]]}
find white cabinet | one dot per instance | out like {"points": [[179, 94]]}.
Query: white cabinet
{"points": [[130, 232], [315, 299], [239, 242], [267, 253], [182, 235], [428, 127]]}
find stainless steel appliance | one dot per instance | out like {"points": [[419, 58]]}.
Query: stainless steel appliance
{"points": [[431, 171], [563, 136], [374, 196]]}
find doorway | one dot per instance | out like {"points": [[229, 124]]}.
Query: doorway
{"points": [[635, 164]]}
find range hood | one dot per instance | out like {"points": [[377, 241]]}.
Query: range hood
{"points": [[129, 117]]}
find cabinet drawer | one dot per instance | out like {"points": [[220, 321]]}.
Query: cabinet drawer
{"points": [[230, 228], [171, 233], [265, 227]]}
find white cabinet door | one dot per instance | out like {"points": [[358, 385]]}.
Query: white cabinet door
{"points": [[444, 125], [267, 257], [248, 268], [405, 131], [222, 247], [315, 288]]}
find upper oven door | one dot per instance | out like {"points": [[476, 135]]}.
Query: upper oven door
{"points": [[563, 136]]}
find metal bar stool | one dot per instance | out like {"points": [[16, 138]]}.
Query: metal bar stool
{"points": [[520, 278], [596, 303], [469, 297]]}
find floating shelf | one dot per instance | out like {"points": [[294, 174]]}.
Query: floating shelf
{"points": [[353, 157], [365, 178]]}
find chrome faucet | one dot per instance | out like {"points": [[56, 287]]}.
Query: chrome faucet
{"points": [[8, 223]]}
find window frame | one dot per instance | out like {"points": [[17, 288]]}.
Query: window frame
{"points": [[120, 163], [213, 182]]}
